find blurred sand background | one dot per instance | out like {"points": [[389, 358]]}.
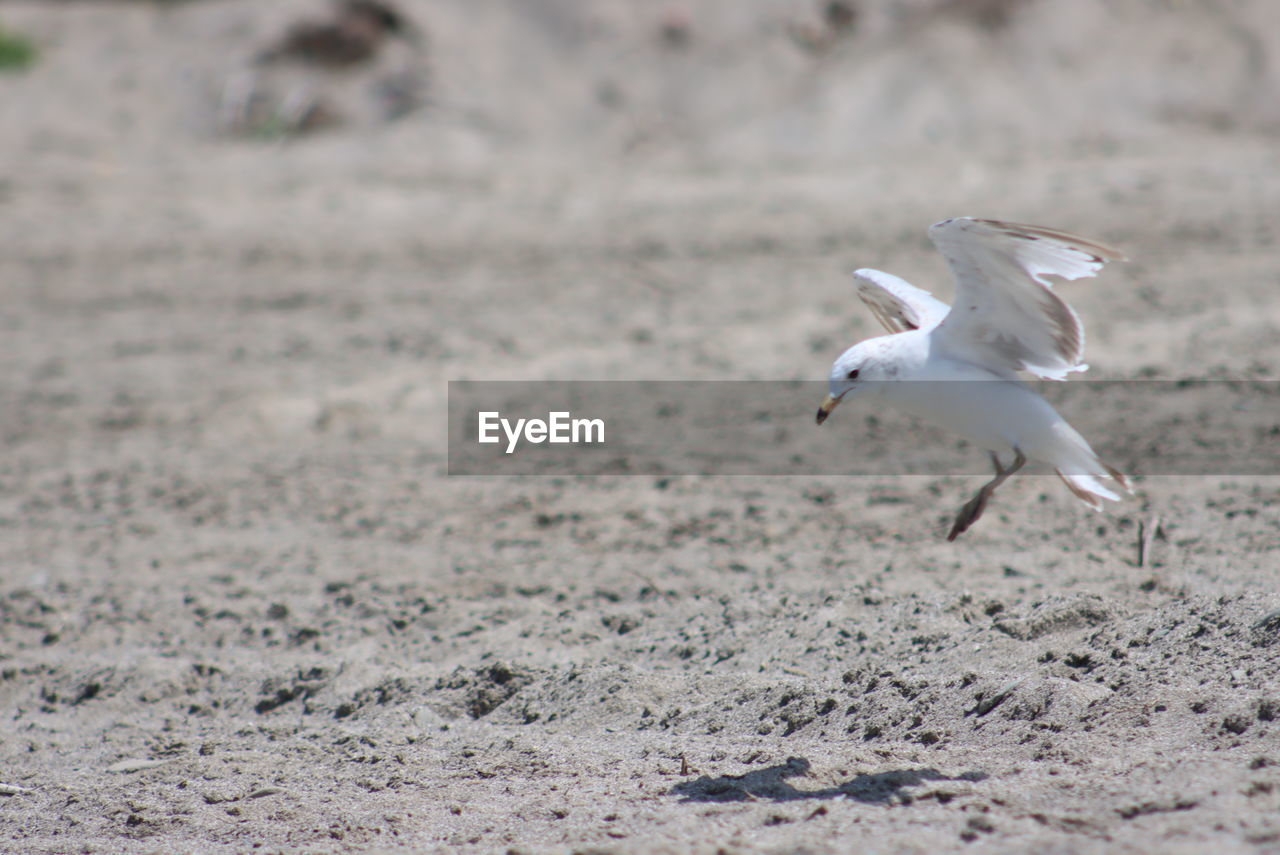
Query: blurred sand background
{"points": [[242, 608]]}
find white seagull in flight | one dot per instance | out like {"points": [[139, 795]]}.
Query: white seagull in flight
{"points": [[957, 366]]}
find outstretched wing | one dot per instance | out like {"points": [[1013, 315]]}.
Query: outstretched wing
{"points": [[1006, 316], [897, 304]]}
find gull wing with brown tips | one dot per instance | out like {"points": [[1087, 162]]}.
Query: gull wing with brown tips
{"points": [[897, 304], [1006, 316]]}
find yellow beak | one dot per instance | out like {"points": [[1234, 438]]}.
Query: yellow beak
{"points": [[827, 406]]}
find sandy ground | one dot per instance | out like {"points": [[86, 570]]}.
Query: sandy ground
{"points": [[243, 608]]}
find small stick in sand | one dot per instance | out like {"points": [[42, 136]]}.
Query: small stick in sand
{"points": [[1146, 536]]}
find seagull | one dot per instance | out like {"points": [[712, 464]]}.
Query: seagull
{"points": [[959, 366]]}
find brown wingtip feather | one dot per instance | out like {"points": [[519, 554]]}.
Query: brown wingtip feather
{"points": [[1091, 499], [890, 316], [1101, 251], [1088, 498], [1119, 477]]}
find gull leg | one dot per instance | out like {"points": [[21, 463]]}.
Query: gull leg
{"points": [[970, 513]]}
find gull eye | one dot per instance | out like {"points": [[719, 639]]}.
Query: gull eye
{"points": [[853, 375]]}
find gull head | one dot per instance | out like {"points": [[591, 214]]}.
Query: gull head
{"points": [[849, 375]]}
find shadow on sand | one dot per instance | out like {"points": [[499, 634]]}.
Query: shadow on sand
{"points": [[771, 784]]}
